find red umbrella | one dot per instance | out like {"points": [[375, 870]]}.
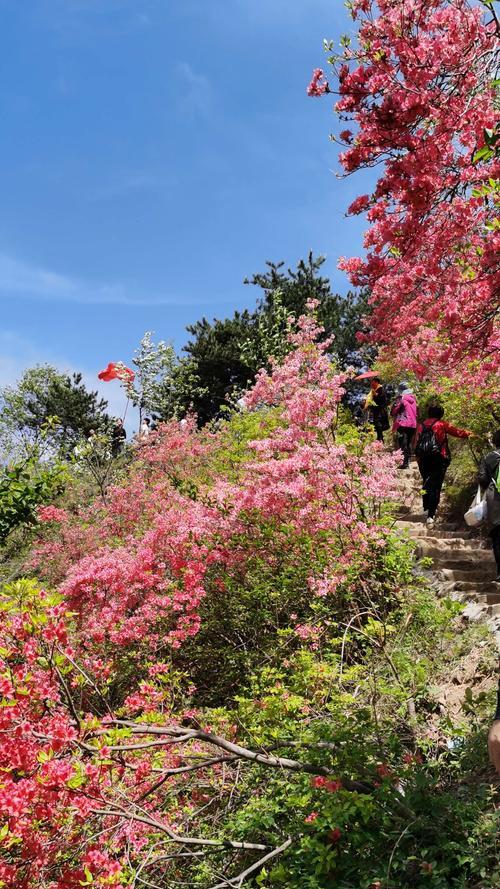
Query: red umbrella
{"points": [[369, 375]]}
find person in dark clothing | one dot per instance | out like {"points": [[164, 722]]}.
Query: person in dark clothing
{"points": [[118, 436], [433, 466], [489, 480], [376, 405]]}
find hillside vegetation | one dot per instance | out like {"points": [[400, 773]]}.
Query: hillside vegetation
{"points": [[221, 663], [227, 667]]}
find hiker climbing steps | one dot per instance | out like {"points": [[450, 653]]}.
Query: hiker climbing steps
{"points": [[462, 563]]}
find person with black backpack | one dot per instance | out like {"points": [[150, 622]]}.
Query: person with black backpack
{"points": [[489, 481], [433, 457]]}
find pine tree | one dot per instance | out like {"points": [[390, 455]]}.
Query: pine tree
{"points": [[42, 394]]}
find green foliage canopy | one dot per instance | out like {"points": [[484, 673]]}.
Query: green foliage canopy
{"points": [[43, 393], [223, 356]]}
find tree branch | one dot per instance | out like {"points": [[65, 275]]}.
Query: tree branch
{"points": [[174, 837], [239, 752], [237, 882]]}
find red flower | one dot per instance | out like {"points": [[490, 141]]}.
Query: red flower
{"points": [[321, 783], [318, 782], [116, 371], [334, 835], [333, 786]]}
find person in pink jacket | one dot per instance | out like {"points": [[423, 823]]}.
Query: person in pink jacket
{"points": [[405, 414]]}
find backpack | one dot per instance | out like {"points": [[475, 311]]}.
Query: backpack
{"points": [[396, 407], [427, 444]]}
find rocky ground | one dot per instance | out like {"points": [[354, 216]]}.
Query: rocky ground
{"points": [[461, 566]]}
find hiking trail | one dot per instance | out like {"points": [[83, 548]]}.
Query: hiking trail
{"points": [[463, 565]]}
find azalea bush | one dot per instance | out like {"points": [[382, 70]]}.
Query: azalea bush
{"points": [[224, 667], [137, 568], [130, 572], [417, 89], [329, 770]]}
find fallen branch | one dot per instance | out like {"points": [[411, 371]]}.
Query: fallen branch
{"points": [[237, 751], [237, 882], [174, 837]]}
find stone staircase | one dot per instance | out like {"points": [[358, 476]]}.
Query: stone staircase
{"points": [[463, 565]]}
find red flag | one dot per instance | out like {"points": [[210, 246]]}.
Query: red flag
{"points": [[117, 371]]}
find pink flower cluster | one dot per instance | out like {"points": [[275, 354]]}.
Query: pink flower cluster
{"points": [[419, 91], [51, 514], [318, 85], [131, 576]]}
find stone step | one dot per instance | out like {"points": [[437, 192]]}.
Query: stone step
{"points": [[446, 535], [462, 562], [459, 560], [417, 521], [420, 530], [450, 526], [478, 587], [441, 555], [412, 517], [409, 513], [492, 598], [452, 544], [482, 573]]}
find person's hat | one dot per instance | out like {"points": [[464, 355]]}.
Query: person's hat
{"points": [[403, 387]]}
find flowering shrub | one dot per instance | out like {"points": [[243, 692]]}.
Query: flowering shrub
{"points": [[419, 91], [204, 684], [51, 514], [59, 772], [136, 569], [132, 573]]}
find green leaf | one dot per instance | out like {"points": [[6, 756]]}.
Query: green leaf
{"points": [[89, 879]]}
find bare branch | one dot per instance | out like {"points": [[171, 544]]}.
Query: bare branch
{"points": [[236, 750], [168, 773], [174, 837], [237, 882]]}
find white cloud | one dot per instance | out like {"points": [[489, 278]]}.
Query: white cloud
{"points": [[20, 278], [195, 90]]}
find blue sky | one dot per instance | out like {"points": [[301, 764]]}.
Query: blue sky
{"points": [[153, 154]]}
